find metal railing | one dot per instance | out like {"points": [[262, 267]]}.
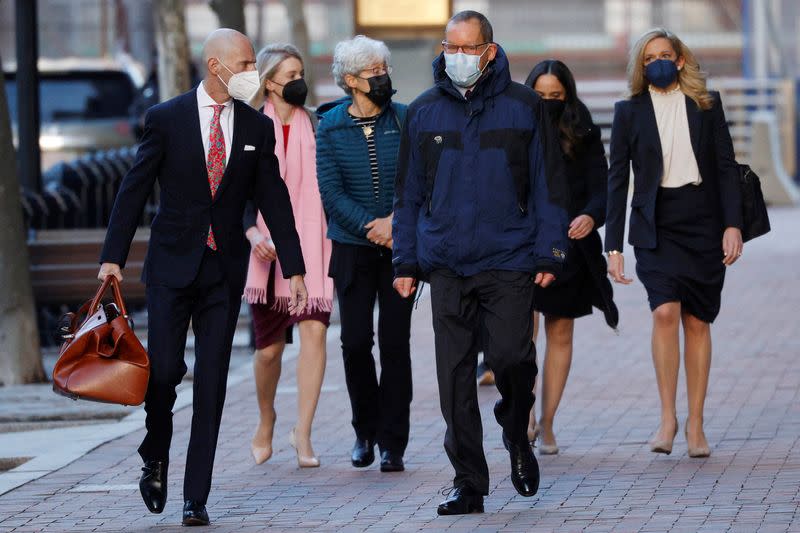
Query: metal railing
{"points": [[741, 98]]}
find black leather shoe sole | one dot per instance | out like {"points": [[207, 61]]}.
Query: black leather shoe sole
{"points": [[194, 521], [363, 460], [392, 467], [469, 507]]}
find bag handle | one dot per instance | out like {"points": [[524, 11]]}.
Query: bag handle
{"points": [[90, 307], [114, 282]]}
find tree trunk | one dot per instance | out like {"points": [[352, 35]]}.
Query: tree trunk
{"points": [[20, 358], [298, 36], [173, 49], [230, 14]]}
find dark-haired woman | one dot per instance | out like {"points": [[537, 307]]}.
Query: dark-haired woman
{"points": [[686, 216], [583, 281]]}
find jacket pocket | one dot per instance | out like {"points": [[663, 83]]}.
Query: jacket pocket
{"points": [[431, 144], [515, 144]]}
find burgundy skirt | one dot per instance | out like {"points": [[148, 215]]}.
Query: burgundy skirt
{"points": [[272, 326]]}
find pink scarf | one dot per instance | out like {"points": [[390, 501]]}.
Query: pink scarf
{"points": [[298, 167]]}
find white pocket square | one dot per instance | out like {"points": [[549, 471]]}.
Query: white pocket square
{"points": [[249, 148]]}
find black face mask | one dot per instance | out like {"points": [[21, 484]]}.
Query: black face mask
{"points": [[295, 92], [380, 89], [554, 108]]}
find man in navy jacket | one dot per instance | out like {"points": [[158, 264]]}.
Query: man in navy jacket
{"points": [[475, 216], [210, 154]]}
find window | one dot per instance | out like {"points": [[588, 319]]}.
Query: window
{"points": [[76, 96]]}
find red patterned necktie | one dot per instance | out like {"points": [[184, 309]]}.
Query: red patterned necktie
{"points": [[215, 164]]}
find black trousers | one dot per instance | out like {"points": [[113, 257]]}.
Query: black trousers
{"points": [[213, 308], [494, 308], [381, 407]]}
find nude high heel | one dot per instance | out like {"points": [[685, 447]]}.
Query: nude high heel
{"points": [[697, 451], [544, 449], [664, 446], [302, 461], [547, 449], [262, 454]]}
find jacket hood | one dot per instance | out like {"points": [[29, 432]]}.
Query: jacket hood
{"points": [[327, 106], [496, 77]]}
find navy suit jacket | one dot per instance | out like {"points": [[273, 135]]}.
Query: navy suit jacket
{"points": [[171, 152], [635, 139]]}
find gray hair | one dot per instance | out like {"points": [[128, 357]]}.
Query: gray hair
{"points": [[268, 60], [354, 55]]}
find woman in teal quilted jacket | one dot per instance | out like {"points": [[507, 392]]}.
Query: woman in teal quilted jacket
{"points": [[357, 144]]}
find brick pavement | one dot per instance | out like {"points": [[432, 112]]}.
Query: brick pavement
{"points": [[604, 479]]}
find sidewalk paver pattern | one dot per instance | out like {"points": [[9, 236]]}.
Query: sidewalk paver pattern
{"points": [[604, 479]]}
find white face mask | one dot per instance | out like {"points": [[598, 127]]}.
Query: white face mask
{"points": [[243, 85], [463, 69]]}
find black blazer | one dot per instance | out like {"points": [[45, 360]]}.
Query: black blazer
{"points": [[587, 173], [635, 139], [171, 151]]}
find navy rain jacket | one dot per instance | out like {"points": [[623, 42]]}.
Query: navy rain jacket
{"points": [[472, 190]]}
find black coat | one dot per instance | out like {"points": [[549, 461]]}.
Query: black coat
{"points": [[587, 173], [587, 176], [635, 139], [172, 151]]}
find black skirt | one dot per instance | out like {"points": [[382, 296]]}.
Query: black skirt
{"points": [[686, 264]]}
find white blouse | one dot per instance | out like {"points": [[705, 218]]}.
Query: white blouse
{"points": [[680, 165]]}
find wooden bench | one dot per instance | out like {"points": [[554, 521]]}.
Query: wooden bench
{"points": [[64, 265]]}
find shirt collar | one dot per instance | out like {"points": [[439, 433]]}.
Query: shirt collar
{"points": [[204, 100]]}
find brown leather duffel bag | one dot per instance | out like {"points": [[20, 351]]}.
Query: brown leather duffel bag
{"points": [[102, 360]]}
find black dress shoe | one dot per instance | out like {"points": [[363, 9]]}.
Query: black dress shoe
{"points": [[463, 500], [391, 462], [524, 467], [363, 453], [153, 485], [194, 514]]}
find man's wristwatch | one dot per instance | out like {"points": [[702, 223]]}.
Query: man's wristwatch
{"points": [[614, 252]]}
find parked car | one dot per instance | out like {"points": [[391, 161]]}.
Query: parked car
{"points": [[84, 104]]}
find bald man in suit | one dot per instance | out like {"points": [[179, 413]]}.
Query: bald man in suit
{"points": [[210, 153]]}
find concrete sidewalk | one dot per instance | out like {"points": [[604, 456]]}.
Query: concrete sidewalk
{"points": [[604, 479]]}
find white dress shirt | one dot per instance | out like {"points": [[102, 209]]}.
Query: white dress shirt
{"points": [[680, 165], [204, 106]]}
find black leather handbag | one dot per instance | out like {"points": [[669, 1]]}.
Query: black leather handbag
{"points": [[755, 220]]}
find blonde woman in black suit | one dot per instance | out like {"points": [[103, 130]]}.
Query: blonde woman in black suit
{"points": [[685, 222]]}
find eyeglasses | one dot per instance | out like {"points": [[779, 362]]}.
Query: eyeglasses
{"points": [[378, 71], [470, 49]]}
